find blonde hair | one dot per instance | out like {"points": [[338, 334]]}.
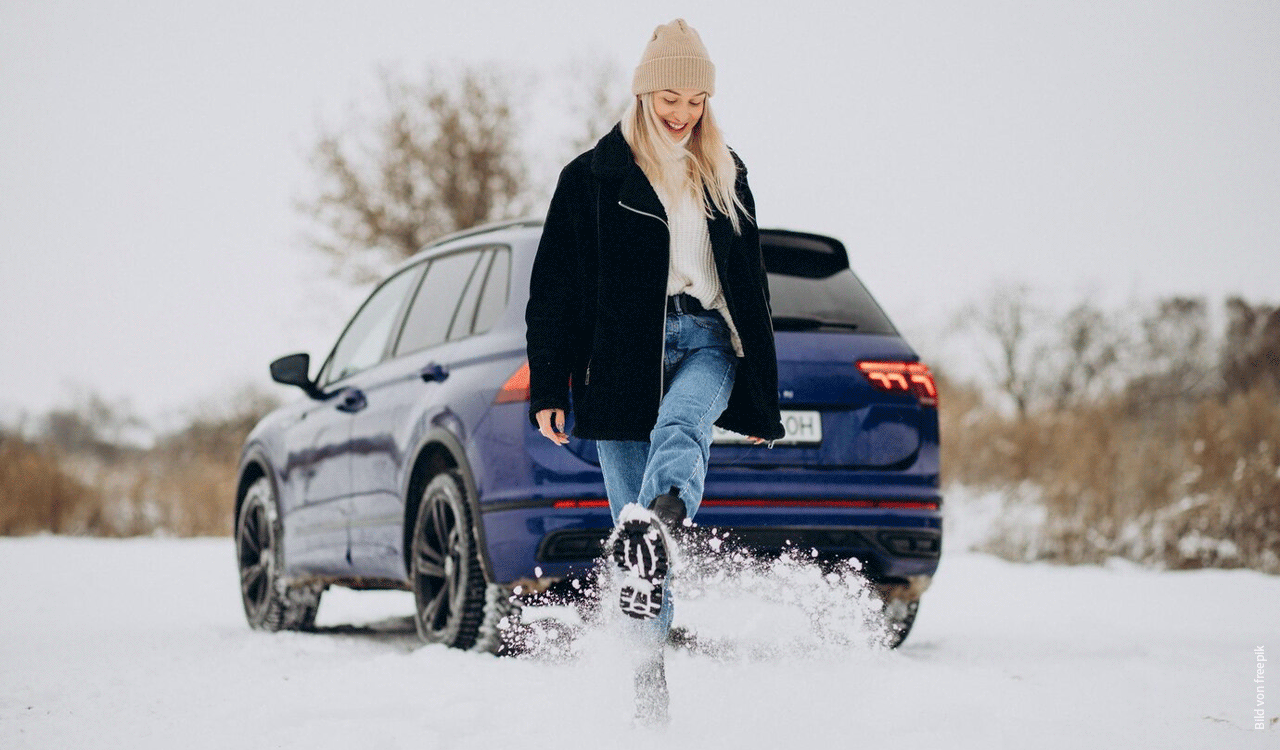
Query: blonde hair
{"points": [[710, 173]]}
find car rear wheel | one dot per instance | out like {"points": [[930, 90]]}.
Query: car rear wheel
{"points": [[448, 585], [899, 616], [269, 604]]}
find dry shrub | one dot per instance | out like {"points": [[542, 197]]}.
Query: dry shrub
{"points": [[195, 497], [1178, 485], [191, 474], [184, 485], [148, 494], [1230, 512], [37, 495]]}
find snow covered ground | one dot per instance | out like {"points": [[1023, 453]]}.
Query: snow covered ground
{"points": [[142, 644]]}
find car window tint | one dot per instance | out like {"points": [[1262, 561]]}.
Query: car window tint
{"points": [[466, 312], [364, 342], [496, 290], [433, 307]]}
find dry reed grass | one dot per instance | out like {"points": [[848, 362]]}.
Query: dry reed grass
{"points": [[36, 495], [183, 486], [1179, 485]]}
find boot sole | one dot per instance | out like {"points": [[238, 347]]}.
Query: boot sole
{"points": [[640, 553]]}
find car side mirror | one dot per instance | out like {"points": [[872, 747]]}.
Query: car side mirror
{"points": [[293, 369]]}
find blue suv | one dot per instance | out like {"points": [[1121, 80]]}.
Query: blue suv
{"points": [[411, 463]]}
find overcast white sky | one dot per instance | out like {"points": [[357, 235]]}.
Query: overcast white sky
{"points": [[150, 153]]}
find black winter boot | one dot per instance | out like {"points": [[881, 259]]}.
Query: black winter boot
{"points": [[669, 509], [640, 550]]}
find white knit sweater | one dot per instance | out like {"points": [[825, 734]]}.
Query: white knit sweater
{"points": [[692, 268]]}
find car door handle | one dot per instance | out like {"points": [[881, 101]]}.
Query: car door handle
{"points": [[352, 400], [434, 371]]}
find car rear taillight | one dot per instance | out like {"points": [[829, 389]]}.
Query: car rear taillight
{"points": [[516, 388], [909, 377]]}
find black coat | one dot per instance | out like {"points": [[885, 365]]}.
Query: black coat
{"points": [[597, 302]]}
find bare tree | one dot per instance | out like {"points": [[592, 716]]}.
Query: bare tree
{"points": [[1009, 320], [444, 154], [1251, 354], [600, 92], [94, 426], [1089, 354], [1175, 354], [574, 107]]}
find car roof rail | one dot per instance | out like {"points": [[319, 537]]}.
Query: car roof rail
{"points": [[527, 221]]}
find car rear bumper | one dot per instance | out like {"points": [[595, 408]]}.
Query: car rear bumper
{"points": [[555, 539]]}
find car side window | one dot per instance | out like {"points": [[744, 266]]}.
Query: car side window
{"points": [[466, 312], [493, 301], [433, 308], [364, 342]]}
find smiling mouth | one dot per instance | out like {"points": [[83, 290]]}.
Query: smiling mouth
{"points": [[676, 128]]}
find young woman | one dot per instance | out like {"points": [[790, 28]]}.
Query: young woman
{"points": [[649, 304]]}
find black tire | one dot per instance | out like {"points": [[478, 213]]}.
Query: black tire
{"points": [[269, 604], [899, 616], [448, 584]]}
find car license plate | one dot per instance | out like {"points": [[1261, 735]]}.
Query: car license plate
{"points": [[803, 428]]}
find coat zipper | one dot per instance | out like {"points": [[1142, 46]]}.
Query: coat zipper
{"points": [[662, 351], [646, 213], [663, 356]]}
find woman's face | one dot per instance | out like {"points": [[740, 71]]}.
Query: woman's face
{"points": [[679, 110]]}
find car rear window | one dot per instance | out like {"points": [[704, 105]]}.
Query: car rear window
{"points": [[812, 288]]}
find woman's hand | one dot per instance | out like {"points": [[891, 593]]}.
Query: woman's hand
{"points": [[545, 425]]}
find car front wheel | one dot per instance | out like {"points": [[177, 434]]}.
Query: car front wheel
{"points": [[448, 585], [269, 604]]}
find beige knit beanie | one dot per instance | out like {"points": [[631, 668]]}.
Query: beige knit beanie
{"points": [[674, 59]]}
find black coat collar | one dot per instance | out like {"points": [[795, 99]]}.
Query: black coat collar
{"points": [[611, 158], [612, 161]]}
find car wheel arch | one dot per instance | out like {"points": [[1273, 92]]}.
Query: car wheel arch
{"points": [[254, 466], [440, 450]]}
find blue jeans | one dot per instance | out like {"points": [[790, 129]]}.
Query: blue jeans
{"points": [[699, 365]]}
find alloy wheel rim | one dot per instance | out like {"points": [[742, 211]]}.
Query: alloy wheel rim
{"points": [[438, 566], [254, 542]]}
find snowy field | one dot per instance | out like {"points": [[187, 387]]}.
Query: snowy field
{"points": [[142, 644]]}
